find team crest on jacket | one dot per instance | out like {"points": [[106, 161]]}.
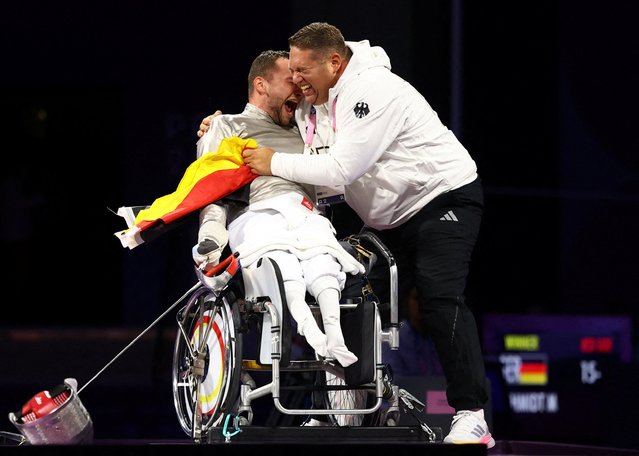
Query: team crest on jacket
{"points": [[361, 110]]}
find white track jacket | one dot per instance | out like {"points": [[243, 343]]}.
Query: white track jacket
{"points": [[390, 151]]}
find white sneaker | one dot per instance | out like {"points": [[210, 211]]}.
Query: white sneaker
{"points": [[469, 427]]}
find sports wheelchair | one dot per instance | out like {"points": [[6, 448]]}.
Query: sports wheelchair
{"points": [[213, 387]]}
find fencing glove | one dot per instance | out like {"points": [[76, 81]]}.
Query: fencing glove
{"points": [[212, 238]]}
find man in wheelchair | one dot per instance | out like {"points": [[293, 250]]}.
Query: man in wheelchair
{"points": [[277, 218]]}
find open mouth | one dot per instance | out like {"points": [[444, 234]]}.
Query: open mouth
{"points": [[307, 90], [290, 105]]}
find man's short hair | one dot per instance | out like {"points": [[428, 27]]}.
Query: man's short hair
{"points": [[320, 37], [263, 65]]}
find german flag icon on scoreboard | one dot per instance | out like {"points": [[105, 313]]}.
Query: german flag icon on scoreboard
{"points": [[524, 368], [533, 372]]}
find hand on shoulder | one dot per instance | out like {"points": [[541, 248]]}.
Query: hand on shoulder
{"points": [[206, 123]]}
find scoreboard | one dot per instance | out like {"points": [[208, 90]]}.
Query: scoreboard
{"points": [[560, 377]]}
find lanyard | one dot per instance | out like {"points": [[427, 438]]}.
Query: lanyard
{"points": [[312, 122]]}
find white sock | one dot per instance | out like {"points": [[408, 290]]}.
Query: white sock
{"points": [[328, 301], [306, 324]]}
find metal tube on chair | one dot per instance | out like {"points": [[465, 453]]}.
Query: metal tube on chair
{"points": [[276, 349], [392, 336]]}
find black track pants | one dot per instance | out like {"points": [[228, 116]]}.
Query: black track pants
{"points": [[433, 252]]}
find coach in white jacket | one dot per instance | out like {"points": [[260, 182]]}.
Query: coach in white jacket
{"points": [[409, 179]]}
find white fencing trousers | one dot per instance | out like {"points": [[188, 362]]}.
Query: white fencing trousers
{"points": [[255, 227], [313, 274]]}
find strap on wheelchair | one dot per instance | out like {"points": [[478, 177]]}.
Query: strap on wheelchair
{"points": [[363, 255], [368, 258]]}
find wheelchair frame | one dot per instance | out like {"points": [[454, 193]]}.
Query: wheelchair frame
{"points": [[212, 382]]}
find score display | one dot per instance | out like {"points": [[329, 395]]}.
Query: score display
{"points": [[549, 372]]}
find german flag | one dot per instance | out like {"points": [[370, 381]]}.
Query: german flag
{"points": [[208, 179], [533, 372]]}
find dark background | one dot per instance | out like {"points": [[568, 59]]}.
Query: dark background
{"points": [[100, 102]]}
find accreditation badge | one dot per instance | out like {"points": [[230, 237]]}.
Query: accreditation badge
{"points": [[326, 194], [329, 195]]}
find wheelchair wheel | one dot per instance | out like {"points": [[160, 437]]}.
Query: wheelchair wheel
{"points": [[207, 361]]}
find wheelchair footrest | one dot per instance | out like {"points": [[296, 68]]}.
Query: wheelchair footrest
{"points": [[326, 434], [293, 365]]}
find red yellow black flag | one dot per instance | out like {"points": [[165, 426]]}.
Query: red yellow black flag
{"points": [[208, 179]]}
